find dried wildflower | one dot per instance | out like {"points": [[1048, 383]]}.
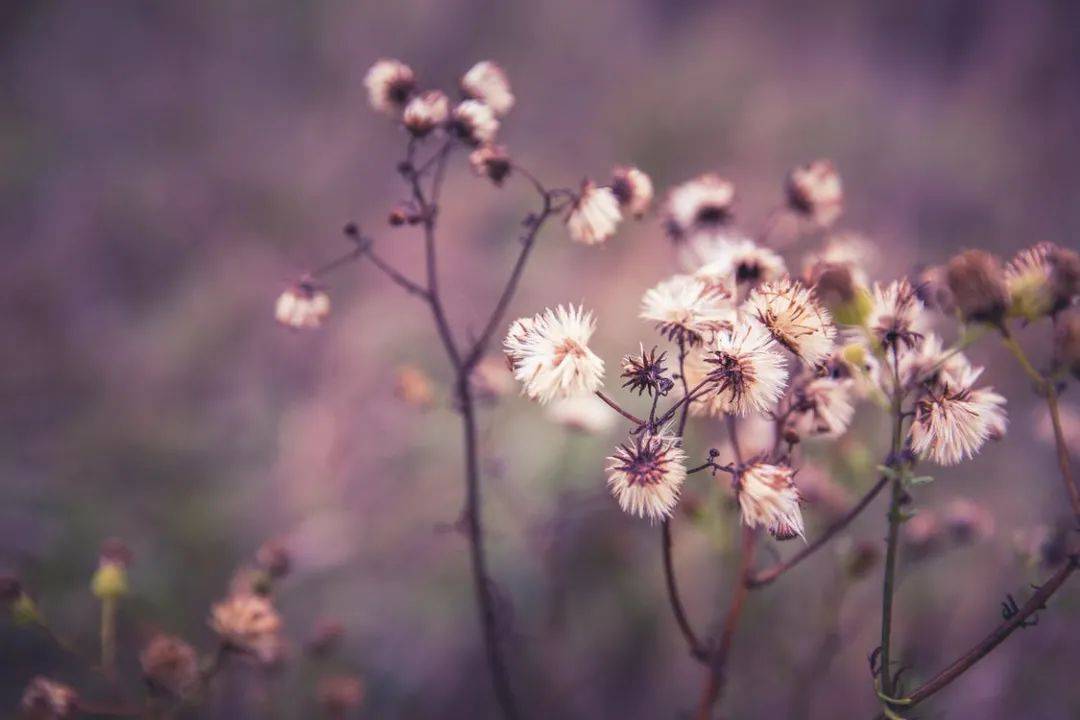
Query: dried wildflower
{"points": [[1042, 280], [645, 372], [702, 203], [815, 190], [968, 521], [46, 699], [491, 380], [474, 122], [896, 316], [550, 356], [1067, 341], [389, 84], [768, 498], [646, 473], [821, 407], [850, 250], [413, 387], [487, 82], [977, 282], [425, 112], [170, 665], [338, 695], [952, 425], [274, 558], [246, 622], [302, 307], [933, 290], [687, 310], [792, 314], [492, 162], [594, 215], [733, 260], [923, 534], [633, 189], [835, 286], [585, 414], [745, 371]]}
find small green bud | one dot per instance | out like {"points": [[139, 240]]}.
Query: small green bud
{"points": [[110, 581], [24, 611]]}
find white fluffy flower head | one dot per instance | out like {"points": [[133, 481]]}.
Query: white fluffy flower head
{"points": [[733, 259], [896, 317], [952, 425], [425, 112], [633, 188], [474, 122], [687, 310], [792, 314], [745, 371], [302, 307], [768, 498], [646, 473], [389, 84], [595, 215], [487, 82], [550, 356], [702, 203]]}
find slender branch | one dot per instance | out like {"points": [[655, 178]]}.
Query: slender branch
{"points": [[697, 648], [1063, 452], [895, 518], [684, 413], [619, 409], [768, 575], [409, 286], [962, 664]]}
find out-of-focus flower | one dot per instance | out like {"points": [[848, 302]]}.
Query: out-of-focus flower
{"points": [[170, 665], [967, 521], [1042, 280], [835, 287], [768, 498], [1070, 425], [861, 559], [550, 355], [645, 372], [687, 310], [1067, 341], [338, 695], [487, 82], [585, 413], [1044, 545], [594, 216], [110, 579], [425, 112], [633, 189], [326, 638], [977, 282], [702, 203], [46, 699], [791, 313], [745, 372], [302, 307], [854, 364], [922, 534], [492, 162], [821, 407], [413, 387], [850, 250], [491, 380], [733, 260], [815, 190], [474, 122], [820, 491], [933, 290], [952, 425], [274, 557], [646, 473], [389, 84], [896, 316], [246, 622]]}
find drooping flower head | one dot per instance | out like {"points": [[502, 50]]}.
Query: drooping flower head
{"points": [[633, 189], [702, 203], [746, 372], [302, 307], [425, 112], [492, 162], [646, 473], [821, 407], [896, 316], [594, 216], [768, 498], [389, 84], [815, 190], [487, 82], [550, 356], [687, 310], [474, 122], [791, 313], [951, 425]]}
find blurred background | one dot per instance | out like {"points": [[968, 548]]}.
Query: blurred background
{"points": [[167, 169]]}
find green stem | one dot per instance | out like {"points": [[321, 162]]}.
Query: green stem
{"points": [[892, 543]]}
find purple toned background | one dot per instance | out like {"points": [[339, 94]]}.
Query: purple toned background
{"points": [[166, 169]]}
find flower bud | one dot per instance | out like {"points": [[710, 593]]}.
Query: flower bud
{"points": [[170, 666], [274, 558], [425, 112], [110, 580], [835, 286], [492, 162], [815, 190], [977, 281]]}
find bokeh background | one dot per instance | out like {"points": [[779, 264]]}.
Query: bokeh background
{"points": [[167, 169]]}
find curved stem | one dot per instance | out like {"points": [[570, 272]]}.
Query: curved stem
{"points": [[766, 576], [697, 649], [619, 409]]}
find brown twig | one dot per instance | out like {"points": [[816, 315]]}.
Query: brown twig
{"points": [[697, 648], [619, 409], [768, 575]]}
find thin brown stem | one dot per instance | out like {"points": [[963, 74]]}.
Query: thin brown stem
{"points": [[1062, 449], [619, 408], [768, 575], [409, 286], [685, 412], [895, 517], [697, 648]]}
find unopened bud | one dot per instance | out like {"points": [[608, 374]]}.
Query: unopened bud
{"points": [[977, 281], [274, 558], [110, 580]]}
